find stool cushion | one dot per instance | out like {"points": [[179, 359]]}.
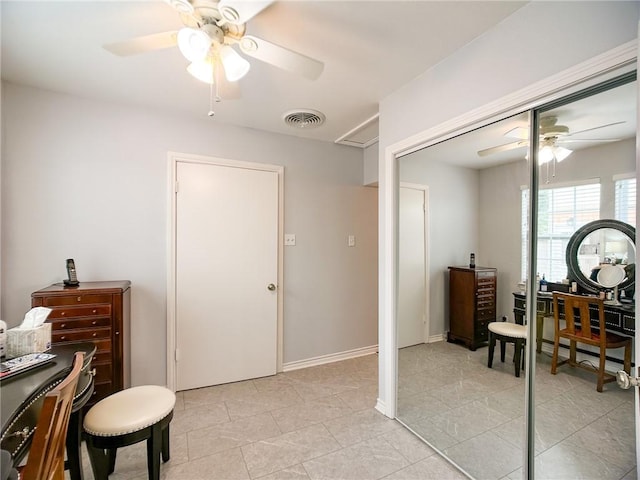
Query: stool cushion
{"points": [[129, 410], [508, 329]]}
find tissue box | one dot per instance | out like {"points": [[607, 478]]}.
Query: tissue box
{"points": [[21, 341]]}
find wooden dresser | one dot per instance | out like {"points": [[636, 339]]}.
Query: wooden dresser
{"points": [[472, 304], [99, 312]]}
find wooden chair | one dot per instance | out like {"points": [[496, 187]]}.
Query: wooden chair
{"points": [[46, 455], [579, 329]]}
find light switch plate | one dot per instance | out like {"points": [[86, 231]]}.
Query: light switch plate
{"points": [[289, 239], [351, 241]]}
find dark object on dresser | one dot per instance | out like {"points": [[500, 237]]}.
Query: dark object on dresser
{"points": [[97, 312], [472, 304]]}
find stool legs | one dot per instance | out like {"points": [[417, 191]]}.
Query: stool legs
{"points": [[519, 344], [517, 357], [154, 446], [103, 455], [165, 444], [492, 346]]}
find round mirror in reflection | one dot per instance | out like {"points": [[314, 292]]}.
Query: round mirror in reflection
{"points": [[598, 244]]}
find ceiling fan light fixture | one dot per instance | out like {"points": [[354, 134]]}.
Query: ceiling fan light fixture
{"points": [[235, 67], [561, 153], [194, 44], [202, 70], [545, 155]]}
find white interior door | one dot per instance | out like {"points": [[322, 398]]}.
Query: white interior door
{"points": [[226, 274], [412, 315]]}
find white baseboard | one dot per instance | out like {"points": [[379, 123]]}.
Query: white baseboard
{"points": [[332, 357], [435, 338], [382, 408]]}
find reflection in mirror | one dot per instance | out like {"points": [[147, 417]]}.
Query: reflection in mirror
{"points": [[476, 203], [600, 243], [446, 393]]}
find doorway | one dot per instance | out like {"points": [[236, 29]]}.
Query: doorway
{"points": [[224, 301], [413, 324]]}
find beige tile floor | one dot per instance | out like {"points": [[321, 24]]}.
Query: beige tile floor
{"points": [[320, 423], [313, 423], [475, 415]]}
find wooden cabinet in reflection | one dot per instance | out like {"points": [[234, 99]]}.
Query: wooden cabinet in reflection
{"points": [[472, 304]]}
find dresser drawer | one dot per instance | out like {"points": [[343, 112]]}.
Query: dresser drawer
{"points": [[83, 311], [81, 298], [100, 391], [62, 336], [103, 372], [486, 314], [79, 323]]}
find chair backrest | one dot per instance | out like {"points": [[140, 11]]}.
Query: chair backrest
{"points": [[581, 303], [46, 455]]}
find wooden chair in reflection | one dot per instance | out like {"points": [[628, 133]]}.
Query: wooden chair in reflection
{"points": [[576, 331], [46, 455]]}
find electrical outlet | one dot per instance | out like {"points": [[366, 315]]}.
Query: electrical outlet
{"points": [[351, 241], [289, 239]]}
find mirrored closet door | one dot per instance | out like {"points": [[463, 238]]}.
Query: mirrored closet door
{"points": [[472, 195]]}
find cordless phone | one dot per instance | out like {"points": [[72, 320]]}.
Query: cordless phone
{"points": [[71, 272]]}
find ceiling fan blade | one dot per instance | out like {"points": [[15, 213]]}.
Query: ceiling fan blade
{"points": [[587, 140], [519, 132], [146, 43], [241, 11], [281, 57], [595, 128], [502, 148]]}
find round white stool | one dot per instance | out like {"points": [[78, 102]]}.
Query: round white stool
{"points": [[127, 417], [507, 332]]}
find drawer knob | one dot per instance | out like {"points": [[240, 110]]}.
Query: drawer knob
{"points": [[63, 325], [94, 334], [94, 322], [62, 314], [117, 333], [93, 311], [79, 299], [63, 338]]}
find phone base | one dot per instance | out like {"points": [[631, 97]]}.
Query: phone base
{"points": [[69, 283]]}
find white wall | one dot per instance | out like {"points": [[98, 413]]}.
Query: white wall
{"points": [[512, 56], [88, 180], [370, 167]]}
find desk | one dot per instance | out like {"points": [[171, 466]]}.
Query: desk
{"points": [[619, 318], [21, 399]]}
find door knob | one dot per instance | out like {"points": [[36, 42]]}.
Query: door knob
{"points": [[625, 381], [271, 287]]}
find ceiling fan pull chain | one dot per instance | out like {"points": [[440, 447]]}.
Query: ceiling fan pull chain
{"points": [[211, 112], [216, 73]]}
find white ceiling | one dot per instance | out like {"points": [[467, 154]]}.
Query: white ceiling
{"points": [[595, 120], [369, 48]]}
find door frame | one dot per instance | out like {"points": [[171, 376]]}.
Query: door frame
{"points": [[172, 187], [427, 317], [617, 61]]}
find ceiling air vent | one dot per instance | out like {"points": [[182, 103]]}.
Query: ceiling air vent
{"points": [[304, 118]]}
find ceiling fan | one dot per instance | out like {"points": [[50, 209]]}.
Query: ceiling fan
{"points": [[210, 30], [552, 137]]}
